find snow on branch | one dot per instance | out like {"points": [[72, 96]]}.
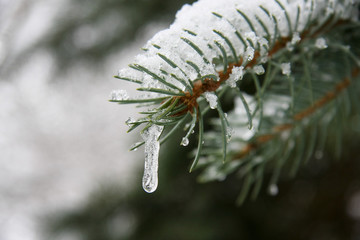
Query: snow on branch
{"points": [[213, 42]]}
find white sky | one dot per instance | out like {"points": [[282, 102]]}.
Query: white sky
{"points": [[59, 140]]}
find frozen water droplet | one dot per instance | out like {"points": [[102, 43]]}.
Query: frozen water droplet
{"points": [[229, 132], [249, 53], [212, 99], [184, 141], [236, 75], [273, 190], [321, 43], [129, 121], [152, 147], [133, 147], [259, 69], [286, 69], [119, 95]]}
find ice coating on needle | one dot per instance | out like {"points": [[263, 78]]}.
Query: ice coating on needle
{"points": [[152, 147], [119, 95]]}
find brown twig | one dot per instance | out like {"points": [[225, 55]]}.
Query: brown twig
{"points": [[341, 86], [210, 85]]}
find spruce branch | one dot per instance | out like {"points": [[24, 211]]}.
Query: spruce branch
{"points": [[287, 51]]}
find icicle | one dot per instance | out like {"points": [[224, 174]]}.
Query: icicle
{"points": [[152, 147]]}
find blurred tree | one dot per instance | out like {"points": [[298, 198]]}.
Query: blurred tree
{"points": [[88, 31], [319, 204]]}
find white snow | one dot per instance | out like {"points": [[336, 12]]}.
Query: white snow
{"points": [[212, 99], [259, 69], [295, 38], [286, 69], [249, 53], [152, 148], [320, 43], [235, 76], [203, 28], [197, 31]]}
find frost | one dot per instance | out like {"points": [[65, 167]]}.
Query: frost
{"points": [[236, 75], [212, 99], [118, 95], [184, 141], [249, 53], [152, 147], [251, 36], [264, 46], [286, 69], [259, 69], [320, 43], [295, 38]]}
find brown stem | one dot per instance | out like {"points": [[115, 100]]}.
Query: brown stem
{"points": [[210, 85], [344, 84]]}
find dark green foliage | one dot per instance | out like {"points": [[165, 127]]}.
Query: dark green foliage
{"points": [[313, 206]]}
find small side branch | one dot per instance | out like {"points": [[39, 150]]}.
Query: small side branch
{"points": [[328, 97]]}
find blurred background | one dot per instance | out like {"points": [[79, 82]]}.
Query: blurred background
{"points": [[65, 169]]}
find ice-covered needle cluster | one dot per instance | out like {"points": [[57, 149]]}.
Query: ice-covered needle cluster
{"points": [[208, 38]]}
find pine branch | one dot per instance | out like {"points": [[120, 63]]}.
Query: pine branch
{"points": [[275, 47]]}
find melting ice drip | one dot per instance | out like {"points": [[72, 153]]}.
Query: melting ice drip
{"points": [[152, 147]]}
